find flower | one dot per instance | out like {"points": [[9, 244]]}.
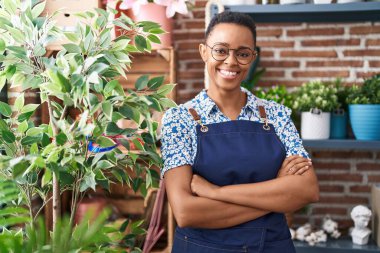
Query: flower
{"points": [[172, 6]]}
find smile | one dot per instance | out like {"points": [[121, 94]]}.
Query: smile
{"points": [[228, 74]]}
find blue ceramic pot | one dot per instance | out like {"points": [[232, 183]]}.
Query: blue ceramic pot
{"points": [[338, 126], [365, 121]]}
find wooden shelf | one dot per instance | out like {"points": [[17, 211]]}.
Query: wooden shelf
{"points": [[347, 12], [342, 144]]}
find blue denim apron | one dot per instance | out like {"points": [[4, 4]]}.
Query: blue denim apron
{"points": [[237, 152]]}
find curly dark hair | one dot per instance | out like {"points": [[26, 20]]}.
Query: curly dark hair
{"points": [[232, 18]]}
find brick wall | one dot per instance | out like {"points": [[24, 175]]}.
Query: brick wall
{"points": [[293, 53]]}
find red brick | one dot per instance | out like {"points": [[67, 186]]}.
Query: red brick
{"points": [[190, 75], [188, 35], [198, 86], [192, 45], [362, 52], [279, 64], [269, 33], [343, 200], [365, 30], [275, 43], [341, 63], [374, 64], [276, 25], [340, 177], [307, 54], [366, 74], [331, 188], [316, 32], [266, 83], [195, 65], [320, 73], [274, 73], [342, 154], [198, 13], [334, 43], [360, 188], [266, 53], [193, 55], [374, 178], [368, 167], [195, 24], [329, 210], [331, 166], [372, 42], [200, 3]]}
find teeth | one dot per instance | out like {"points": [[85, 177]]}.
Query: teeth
{"points": [[228, 73]]}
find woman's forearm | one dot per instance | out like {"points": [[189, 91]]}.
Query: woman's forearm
{"points": [[207, 213], [282, 194]]}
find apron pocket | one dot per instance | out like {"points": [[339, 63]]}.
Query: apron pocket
{"points": [[283, 246]]}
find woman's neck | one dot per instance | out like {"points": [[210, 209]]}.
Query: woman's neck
{"points": [[229, 102]]}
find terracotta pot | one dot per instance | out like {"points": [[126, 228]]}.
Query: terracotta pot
{"points": [[157, 13], [94, 206]]}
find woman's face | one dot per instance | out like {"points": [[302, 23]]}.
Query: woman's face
{"points": [[227, 74]]}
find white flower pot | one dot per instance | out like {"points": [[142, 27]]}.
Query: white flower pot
{"points": [[322, 1], [315, 126]]}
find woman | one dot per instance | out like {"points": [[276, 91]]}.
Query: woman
{"points": [[233, 164]]}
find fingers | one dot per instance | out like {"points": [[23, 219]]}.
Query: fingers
{"points": [[297, 165]]}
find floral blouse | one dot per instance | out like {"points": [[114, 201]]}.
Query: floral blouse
{"points": [[179, 137]]}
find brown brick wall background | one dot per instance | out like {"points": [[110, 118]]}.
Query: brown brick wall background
{"points": [[293, 53]]}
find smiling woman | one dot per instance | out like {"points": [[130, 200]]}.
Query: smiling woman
{"points": [[233, 163]]}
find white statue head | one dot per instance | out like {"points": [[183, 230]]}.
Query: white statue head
{"points": [[361, 216]]}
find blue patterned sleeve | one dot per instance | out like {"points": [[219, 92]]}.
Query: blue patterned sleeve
{"points": [[287, 132], [176, 139]]}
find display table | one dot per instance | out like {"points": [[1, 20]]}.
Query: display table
{"points": [[343, 245]]}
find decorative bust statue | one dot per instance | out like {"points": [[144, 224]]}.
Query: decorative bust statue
{"points": [[361, 216]]}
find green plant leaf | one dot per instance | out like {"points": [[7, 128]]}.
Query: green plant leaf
{"points": [[154, 38], [167, 103], [113, 129], [2, 46], [28, 140], [140, 42], [61, 138], [29, 108], [5, 109], [156, 82], [3, 80], [157, 31], [130, 113], [142, 82], [104, 164], [107, 109], [88, 181], [19, 102], [24, 116], [22, 127], [8, 136], [3, 125], [72, 48], [166, 89]]}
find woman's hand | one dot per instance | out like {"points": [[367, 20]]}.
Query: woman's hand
{"points": [[294, 165], [202, 188]]}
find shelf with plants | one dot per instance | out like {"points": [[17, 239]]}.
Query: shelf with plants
{"points": [[342, 12]]}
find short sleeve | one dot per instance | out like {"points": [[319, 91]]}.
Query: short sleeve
{"points": [[287, 132], [176, 139]]}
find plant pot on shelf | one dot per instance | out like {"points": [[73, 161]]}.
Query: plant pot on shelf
{"points": [[365, 121], [155, 13], [315, 125], [338, 126]]}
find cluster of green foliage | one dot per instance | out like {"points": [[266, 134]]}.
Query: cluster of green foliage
{"points": [[368, 93]]}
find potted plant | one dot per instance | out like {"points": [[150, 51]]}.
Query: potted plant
{"points": [[315, 100], [364, 109], [79, 153], [158, 11], [339, 115]]}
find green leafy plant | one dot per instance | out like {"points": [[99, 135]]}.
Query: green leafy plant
{"points": [[65, 153], [277, 93], [315, 94], [342, 93], [368, 93]]}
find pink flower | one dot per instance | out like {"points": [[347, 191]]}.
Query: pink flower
{"points": [[134, 4], [173, 6]]}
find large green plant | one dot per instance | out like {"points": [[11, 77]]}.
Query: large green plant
{"points": [[315, 94], [82, 76], [277, 93], [368, 93]]}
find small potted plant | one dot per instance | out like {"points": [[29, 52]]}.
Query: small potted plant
{"points": [[339, 115], [315, 100], [364, 109]]}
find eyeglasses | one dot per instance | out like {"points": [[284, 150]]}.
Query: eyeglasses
{"points": [[242, 55]]}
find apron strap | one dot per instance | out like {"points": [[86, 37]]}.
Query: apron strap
{"points": [[263, 116], [197, 118]]}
